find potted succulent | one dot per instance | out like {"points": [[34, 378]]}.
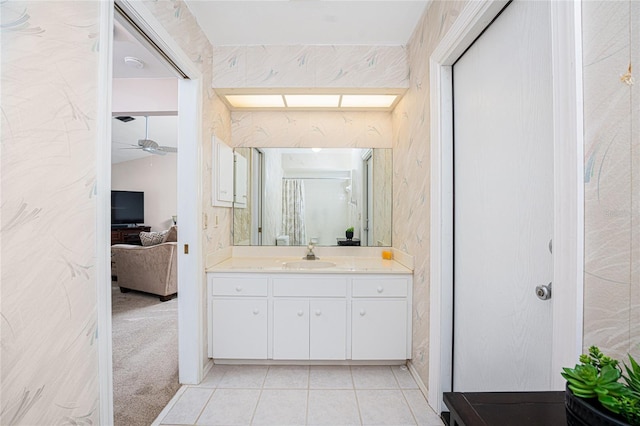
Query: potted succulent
{"points": [[595, 396], [349, 233]]}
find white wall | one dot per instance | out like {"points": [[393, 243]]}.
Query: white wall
{"points": [[156, 176]]}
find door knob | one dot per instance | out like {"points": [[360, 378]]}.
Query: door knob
{"points": [[300, 313], [543, 292]]}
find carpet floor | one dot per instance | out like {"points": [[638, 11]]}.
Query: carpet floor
{"points": [[145, 356]]}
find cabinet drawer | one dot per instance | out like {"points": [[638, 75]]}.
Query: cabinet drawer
{"points": [[310, 287], [238, 286], [380, 287]]}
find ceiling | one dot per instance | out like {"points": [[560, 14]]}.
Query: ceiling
{"points": [[296, 22]]}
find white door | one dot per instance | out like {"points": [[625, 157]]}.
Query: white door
{"points": [[503, 208]]}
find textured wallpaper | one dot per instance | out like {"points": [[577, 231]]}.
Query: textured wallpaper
{"points": [[48, 313], [611, 42], [411, 169], [310, 66], [183, 28]]}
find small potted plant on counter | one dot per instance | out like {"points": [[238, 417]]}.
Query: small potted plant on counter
{"points": [[349, 233], [595, 396]]}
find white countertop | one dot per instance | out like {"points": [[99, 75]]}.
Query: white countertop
{"points": [[342, 265]]}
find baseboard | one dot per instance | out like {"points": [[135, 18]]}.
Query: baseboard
{"points": [[419, 382]]}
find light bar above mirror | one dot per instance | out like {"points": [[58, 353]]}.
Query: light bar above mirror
{"points": [[375, 100]]}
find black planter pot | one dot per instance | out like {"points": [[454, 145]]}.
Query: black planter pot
{"points": [[588, 412], [349, 235]]}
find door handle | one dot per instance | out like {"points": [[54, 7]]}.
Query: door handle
{"points": [[543, 292]]}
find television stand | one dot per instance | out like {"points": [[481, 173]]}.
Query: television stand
{"points": [[128, 235]]}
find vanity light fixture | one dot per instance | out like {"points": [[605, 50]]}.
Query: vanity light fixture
{"points": [[256, 101], [301, 101], [367, 101], [312, 101]]}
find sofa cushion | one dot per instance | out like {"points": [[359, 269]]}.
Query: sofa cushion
{"points": [[172, 235], [152, 238]]}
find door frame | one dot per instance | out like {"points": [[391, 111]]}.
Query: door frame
{"points": [[568, 238], [191, 343]]}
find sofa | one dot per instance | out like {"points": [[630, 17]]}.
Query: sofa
{"points": [[148, 268]]}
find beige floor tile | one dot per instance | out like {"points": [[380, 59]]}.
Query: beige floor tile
{"points": [[287, 377], [404, 377], [333, 408], [384, 407], [244, 377], [423, 413], [278, 407], [213, 377], [373, 377], [188, 407], [330, 377], [230, 407]]}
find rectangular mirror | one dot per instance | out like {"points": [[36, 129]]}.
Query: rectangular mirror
{"points": [[299, 195]]}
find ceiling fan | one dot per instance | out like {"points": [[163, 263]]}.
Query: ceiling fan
{"points": [[149, 145]]}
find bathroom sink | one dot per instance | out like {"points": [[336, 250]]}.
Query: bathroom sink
{"points": [[308, 264]]}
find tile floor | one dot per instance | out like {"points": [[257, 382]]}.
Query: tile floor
{"points": [[301, 395]]}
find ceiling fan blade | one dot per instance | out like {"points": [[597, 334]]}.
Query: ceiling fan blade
{"points": [[155, 151], [171, 149]]}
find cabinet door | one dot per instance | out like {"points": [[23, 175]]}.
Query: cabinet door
{"points": [[291, 329], [379, 329], [328, 329], [221, 174], [225, 173], [239, 328]]}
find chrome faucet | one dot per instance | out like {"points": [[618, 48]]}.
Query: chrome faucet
{"points": [[310, 254]]}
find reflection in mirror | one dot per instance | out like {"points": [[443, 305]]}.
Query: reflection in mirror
{"points": [[299, 195]]}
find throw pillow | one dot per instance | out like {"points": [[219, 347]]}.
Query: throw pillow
{"points": [[172, 235], [152, 238]]}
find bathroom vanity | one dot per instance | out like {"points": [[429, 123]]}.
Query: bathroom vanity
{"points": [[337, 309]]}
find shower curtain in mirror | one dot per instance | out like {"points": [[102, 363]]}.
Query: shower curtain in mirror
{"points": [[293, 211]]}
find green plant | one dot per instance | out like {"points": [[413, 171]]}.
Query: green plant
{"points": [[350, 229], [597, 376]]}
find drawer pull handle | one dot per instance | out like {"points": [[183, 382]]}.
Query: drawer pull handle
{"points": [[300, 313], [238, 289], [256, 311], [362, 312], [380, 289], [318, 312]]}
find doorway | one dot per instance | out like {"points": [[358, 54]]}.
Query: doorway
{"points": [[191, 344], [566, 334], [503, 204]]}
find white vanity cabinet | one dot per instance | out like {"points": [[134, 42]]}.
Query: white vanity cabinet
{"points": [[310, 318], [380, 313], [307, 316], [238, 317]]}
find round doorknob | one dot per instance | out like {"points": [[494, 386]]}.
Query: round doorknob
{"points": [[362, 312], [256, 311], [318, 312], [238, 289], [380, 289], [300, 313]]}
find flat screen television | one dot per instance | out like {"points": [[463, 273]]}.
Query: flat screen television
{"points": [[127, 207]]}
